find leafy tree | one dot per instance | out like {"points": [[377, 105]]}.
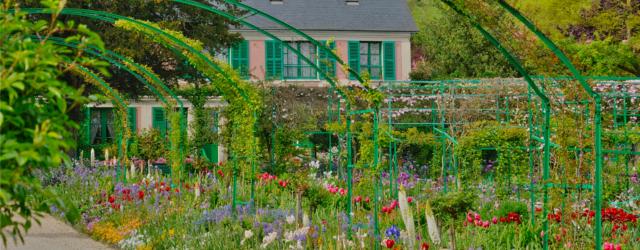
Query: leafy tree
{"points": [[212, 30], [451, 47], [34, 106]]}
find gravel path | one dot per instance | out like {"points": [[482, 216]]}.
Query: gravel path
{"points": [[53, 234]]}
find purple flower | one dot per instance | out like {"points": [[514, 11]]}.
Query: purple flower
{"points": [[392, 231]]}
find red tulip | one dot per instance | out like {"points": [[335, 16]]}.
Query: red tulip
{"points": [[389, 243], [385, 209], [424, 246], [409, 199], [366, 200], [112, 199], [140, 195], [494, 220], [358, 199], [282, 183], [220, 173]]}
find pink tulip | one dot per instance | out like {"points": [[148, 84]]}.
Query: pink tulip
{"points": [[608, 246], [494, 220]]}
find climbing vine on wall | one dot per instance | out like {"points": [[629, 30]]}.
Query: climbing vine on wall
{"points": [[489, 136], [242, 98]]}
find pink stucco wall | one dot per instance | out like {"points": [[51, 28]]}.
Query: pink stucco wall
{"points": [[257, 59], [343, 53]]}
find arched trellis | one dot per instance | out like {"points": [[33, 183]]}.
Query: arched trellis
{"points": [[546, 104], [112, 18], [132, 68], [117, 100], [597, 121]]}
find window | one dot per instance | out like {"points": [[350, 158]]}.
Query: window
{"points": [[239, 58], [370, 59], [294, 66], [101, 125], [215, 120]]}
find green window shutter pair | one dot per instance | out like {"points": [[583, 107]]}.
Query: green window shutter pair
{"points": [[273, 56], [354, 58], [389, 60], [327, 63], [159, 120], [131, 117], [239, 58]]}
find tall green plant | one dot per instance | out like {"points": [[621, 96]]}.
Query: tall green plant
{"points": [[35, 129]]}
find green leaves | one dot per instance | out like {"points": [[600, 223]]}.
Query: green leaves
{"points": [[35, 130]]}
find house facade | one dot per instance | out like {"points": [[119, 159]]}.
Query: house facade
{"points": [[371, 36]]}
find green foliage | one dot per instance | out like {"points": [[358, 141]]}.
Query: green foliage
{"points": [[151, 144], [34, 104], [452, 205], [243, 99], [202, 122], [600, 37], [449, 47], [209, 28], [508, 142]]}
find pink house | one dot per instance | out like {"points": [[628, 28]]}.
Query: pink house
{"points": [[372, 36]]}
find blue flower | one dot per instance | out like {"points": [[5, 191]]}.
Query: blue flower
{"points": [[393, 231]]}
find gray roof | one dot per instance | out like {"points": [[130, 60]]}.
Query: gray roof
{"points": [[336, 15]]}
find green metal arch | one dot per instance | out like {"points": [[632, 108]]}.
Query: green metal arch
{"points": [[111, 18], [597, 115], [94, 52], [115, 94], [539, 92]]}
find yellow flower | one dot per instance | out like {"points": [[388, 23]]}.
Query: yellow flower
{"points": [[171, 232]]}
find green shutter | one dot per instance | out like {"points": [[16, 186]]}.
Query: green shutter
{"points": [[211, 152], [239, 58], [86, 126], [273, 57], [327, 63], [354, 58], [131, 117], [389, 63], [159, 120]]}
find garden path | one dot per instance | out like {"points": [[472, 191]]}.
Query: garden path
{"points": [[53, 234]]}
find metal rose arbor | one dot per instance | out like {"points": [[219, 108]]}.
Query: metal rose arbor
{"points": [[514, 132]]}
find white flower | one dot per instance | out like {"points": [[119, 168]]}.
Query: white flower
{"points": [[315, 164], [247, 234], [291, 219], [268, 239]]}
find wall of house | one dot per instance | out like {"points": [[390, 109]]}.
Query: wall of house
{"points": [[341, 38], [144, 114]]}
